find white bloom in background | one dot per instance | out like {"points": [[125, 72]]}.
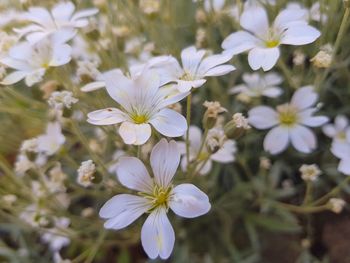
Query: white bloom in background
{"points": [[225, 153], [336, 205], [257, 85], [340, 133], [196, 66], [112, 168], [54, 238], [309, 172], [50, 142], [62, 99], [61, 21], [86, 173], [30, 61], [214, 5], [23, 164], [263, 40], [142, 103], [155, 196], [289, 122]]}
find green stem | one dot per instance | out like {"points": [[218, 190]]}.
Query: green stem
{"points": [[287, 73], [303, 209], [308, 193]]}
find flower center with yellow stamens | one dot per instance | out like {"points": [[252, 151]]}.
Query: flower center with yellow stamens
{"points": [[139, 119], [159, 197], [288, 115], [186, 76], [203, 156], [272, 43], [341, 136]]}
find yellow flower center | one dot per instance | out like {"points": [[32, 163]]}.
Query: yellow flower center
{"points": [[272, 43], [288, 115], [187, 76], [203, 156], [159, 197], [341, 136], [139, 119]]}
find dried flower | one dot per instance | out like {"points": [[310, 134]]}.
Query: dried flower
{"points": [[336, 205], [86, 173], [309, 172]]}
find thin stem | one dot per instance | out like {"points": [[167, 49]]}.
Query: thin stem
{"points": [[303, 209], [287, 73], [308, 193], [340, 35], [332, 193]]}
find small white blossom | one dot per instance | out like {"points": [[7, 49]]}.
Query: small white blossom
{"points": [[155, 196], [62, 99], [30, 61], [61, 21], [289, 122], [240, 121], [262, 40], [50, 142], [54, 238], [143, 102], [86, 173], [337, 205], [257, 85]]}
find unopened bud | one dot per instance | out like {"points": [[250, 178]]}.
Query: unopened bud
{"points": [[237, 127], [336, 205], [211, 114], [323, 58]]}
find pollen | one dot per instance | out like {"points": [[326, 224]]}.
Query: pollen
{"points": [[287, 115], [159, 198]]}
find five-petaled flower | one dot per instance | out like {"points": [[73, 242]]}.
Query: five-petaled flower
{"points": [[263, 40], [155, 196], [289, 122], [143, 102]]}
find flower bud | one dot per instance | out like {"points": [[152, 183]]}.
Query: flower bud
{"points": [[237, 127], [309, 172], [323, 58], [336, 205], [211, 114]]}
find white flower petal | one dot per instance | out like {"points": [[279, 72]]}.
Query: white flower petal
{"points": [[165, 159], [303, 139], [341, 122], [300, 35], [276, 140], [61, 55], [169, 123], [288, 16], [93, 86], [239, 42], [341, 150], [122, 210], [220, 70], [263, 117], [63, 11], [272, 92], [314, 121], [254, 19], [211, 62], [329, 130], [157, 235], [106, 116], [304, 97], [132, 173], [136, 134], [344, 166], [226, 154], [189, 201], [191, 58], [264, 58], [14, 77]]}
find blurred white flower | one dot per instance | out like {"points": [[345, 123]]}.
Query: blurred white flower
{"points": [[214, 5], [289, 123], [155, 196], [340, 133], [50, 142], [225, 153], [30, 61], [257, 85], [54, 238], [196, 66], [142, 103], [263, 41], [61, 21], [62, 99]]}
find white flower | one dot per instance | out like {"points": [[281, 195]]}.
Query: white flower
{"points": [[54, 238], [214, 5], [336, 205], [142, 103], [263, 40], [340, 133], [86, 173], [155, 196], [30, 61], [50, 142], [289, 122], [225, 154], [62, 99], [61, 21], [257, 85], [196, 66]]}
